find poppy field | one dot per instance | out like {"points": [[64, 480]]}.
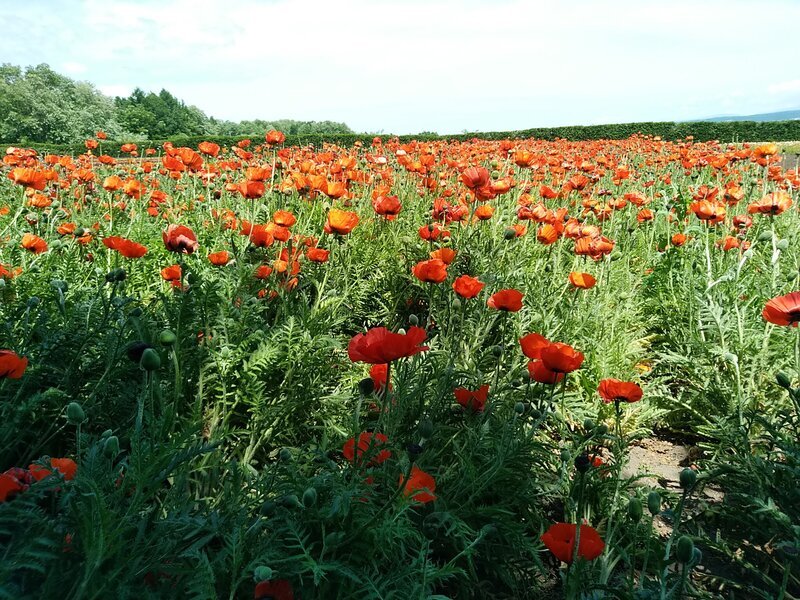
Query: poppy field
{"points": [[400, 370]]}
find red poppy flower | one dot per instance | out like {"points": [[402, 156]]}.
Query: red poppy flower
{"points": [[509, 300], [532, 345], [467, 287], [472, 400], [614, 390], [446, 255], [11, 365], [274, 589], [560, 540], [380, 346], [783, 310], [66, 466], [430, 271], [419, 486], [387, 206], [378, 374], [561, 358], [369, 444], [542, 374], [10, 486], [251, 189], [179, 238], [341, 222], [771, 204]]}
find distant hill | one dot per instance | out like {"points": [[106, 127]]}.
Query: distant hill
{"points": [[785, 115]]}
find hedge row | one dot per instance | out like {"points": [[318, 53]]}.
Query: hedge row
{"points": [[733, 131]]}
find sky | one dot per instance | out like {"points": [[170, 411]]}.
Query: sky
{"points": [[408, 66]]}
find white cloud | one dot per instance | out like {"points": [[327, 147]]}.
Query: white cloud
{"points": [[73, 68], [116, 90], [785, 87]]}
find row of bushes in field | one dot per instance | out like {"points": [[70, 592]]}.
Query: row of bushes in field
{"points": [[733, 131]]}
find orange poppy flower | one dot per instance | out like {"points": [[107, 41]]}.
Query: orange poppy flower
{"points": [[208, 148], [318, 255], [251, 189], [284, 218], [128, 248], [547, 234], [582, 280], [771, 204], [34, 243], [219, 259], [446, 255], [274, 137], [430, 271], [475, 177], [678, 239], [29, 178], [467, 287], [484, 212], [171, 273], [12, 366], [340, 222], [508, 300], [387, 206]]}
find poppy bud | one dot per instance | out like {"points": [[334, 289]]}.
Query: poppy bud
{"points": [[519, 408], [106, 434], [635, 511], [495, 174], [685, 549], [60, 285], [654, 502], [582, 463], [135, 350], [602, 429], [688, 478], [268, 508], [413, 320], [111, 446], [456, 304], [497, 351], [136, 312], [80, 232], [334, 538], [150, 360], [414, 450], [290, 501], [731, 358], [565, 455], [588, 424], [310, 497], [425, 428], [616, 255], [116, 275], [285, 455], [75, 413], [262, 574], [782, 245], [764, 236], [510, 233], [366, 386], [536, 414], [33, 302], [167, 338], [783, 380]]}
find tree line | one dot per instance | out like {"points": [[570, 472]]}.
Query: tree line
{"points": [[39, 105]]}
